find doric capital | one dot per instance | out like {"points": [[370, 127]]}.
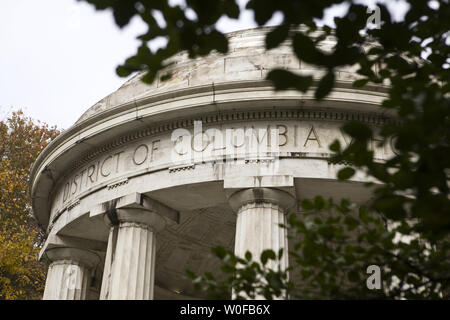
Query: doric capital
{"points": [[85, 257], [137, 208], [261, 195], [151, 219]]}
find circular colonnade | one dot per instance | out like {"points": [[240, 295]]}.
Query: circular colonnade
{"points": [[151, 177]]}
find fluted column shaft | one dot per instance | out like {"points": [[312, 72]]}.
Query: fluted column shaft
{"points": [[66, 280], [257, 229], [69, 274], [260, 211], [130, 259], [133, 275]]}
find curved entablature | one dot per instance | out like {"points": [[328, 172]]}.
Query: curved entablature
{"points": [[255, 102]]}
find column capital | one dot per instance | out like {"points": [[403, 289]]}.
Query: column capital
{"points": [[85, 257], [136, 208], [137, 216], [261, 195]]}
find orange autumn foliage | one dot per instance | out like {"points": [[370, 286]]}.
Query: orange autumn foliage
{"points": [[21, 141]]}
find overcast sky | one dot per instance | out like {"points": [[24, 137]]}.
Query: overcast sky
{"points": [[58, 57]]}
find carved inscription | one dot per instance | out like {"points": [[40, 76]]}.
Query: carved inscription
{"points": [[90, 175], [182, 145]]}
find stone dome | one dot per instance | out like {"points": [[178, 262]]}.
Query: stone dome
{"points": [[246, 60]]}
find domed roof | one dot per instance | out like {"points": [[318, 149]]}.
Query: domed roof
{"points": [[247, 59]]}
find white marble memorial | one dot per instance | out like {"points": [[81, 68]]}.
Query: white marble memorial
{"points": [[152, 176]]}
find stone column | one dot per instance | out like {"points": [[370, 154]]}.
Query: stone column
{"points": [[129, 272], [69, 274], [259, 213]]}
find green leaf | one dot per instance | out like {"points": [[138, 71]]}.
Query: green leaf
{"points": [[280, 253], [218, 41], [191, 274], [307, 204], [353, 276], [263, 10], [325, 85], [248, 256], [266, 255], [351, 223], [357, 130], [275, 37], [165, 77], [346, 173], [283, 79], [123, 71], [305, 49], [360, 83], [319, 202], [123, 12], [219, 252], [364, 216], [335, 146]]}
